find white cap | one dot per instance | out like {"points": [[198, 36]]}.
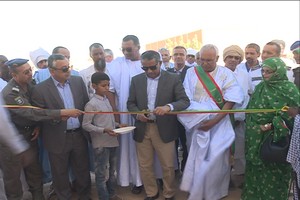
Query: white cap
{"points": [[38, 55], [191, 51]]}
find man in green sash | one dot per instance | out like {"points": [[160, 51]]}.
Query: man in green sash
{"points": [[209, 87]]}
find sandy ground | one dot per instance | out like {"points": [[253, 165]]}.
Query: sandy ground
{"points": [[125, 194]]}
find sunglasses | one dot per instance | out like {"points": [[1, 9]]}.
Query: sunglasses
{"points": [[154, 67], [63, 69], [129, 49]]}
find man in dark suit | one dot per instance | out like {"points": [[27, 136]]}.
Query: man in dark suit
{"points": [[179, 57], [64, 140], [160, 92], [17, 92]]}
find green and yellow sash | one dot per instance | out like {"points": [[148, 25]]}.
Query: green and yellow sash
{"points": [[210, 86]]}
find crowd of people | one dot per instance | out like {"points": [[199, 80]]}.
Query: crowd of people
{"points": [[60, 124]]}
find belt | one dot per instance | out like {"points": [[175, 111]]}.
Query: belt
{"points": [[73, 130], [25, 128], [151, 121]]}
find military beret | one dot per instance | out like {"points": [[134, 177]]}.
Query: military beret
{"points": [[16, 62], [295, 45]]}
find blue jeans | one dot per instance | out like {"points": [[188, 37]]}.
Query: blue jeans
{"points": [[105, 168]]}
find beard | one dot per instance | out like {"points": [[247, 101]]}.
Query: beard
{"points": [[100, 65]]}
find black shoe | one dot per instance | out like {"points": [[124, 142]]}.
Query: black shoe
{"points": [[137, 189], [152, 198], [171, 198]]}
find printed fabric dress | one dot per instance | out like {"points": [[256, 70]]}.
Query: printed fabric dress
{"points": [[266, 181]]}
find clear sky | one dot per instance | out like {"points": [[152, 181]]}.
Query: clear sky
{"points": [[26, 26]]}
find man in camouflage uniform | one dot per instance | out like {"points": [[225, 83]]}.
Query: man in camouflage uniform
{"points": [[17, 92]]}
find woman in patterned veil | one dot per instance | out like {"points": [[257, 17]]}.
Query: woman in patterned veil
{"points": [[263, 180]]}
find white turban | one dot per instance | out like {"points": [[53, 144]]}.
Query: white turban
{"points": [[38, 55]]}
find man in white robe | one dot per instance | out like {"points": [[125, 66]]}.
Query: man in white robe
{"points": [[121, 70], [207, 171], [232, 56]]}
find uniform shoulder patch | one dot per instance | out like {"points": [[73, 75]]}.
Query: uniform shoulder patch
{"points": [[15, 89], [19, 100]]}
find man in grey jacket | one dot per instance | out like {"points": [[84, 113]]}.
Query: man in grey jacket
{"points": [[159, 92]]}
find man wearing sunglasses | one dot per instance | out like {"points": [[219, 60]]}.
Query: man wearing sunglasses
{"points": [[65, 141], [159, 92], [121, 70], [17, 92]]}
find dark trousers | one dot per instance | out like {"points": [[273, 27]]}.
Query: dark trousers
{"points": [[76, 155], [182, 138], [12, 167]]}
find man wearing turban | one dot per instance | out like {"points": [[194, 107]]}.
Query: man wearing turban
{"points": [[232, 56]]}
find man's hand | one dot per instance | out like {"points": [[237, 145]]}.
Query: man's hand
{"points": [[266, 127], [70, 113], [161, 110], [64, 118], [35, 134], [207, 124], [142, 117], [110, 132]]}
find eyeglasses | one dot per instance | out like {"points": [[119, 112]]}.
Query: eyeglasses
{"points": [[191, 56], [154, 67], [235, 57], [129, 49], [266, 71], [63, 69]]}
